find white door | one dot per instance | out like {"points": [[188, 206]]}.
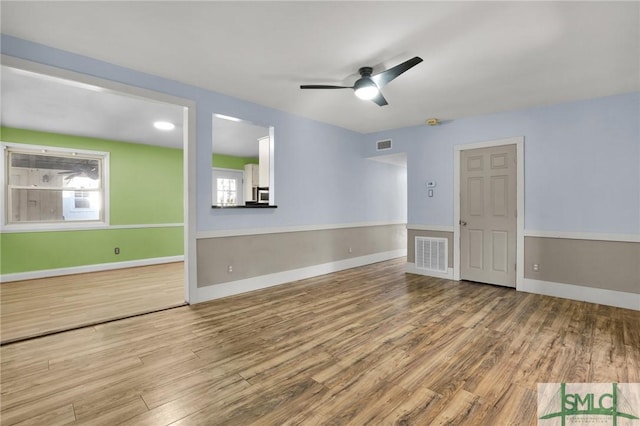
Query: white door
{"points": [[488, 215], [226, 187]]}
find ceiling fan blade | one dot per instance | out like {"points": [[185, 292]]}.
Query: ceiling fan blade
{"points": [[379, 99], [321, 86], [386, 76]]}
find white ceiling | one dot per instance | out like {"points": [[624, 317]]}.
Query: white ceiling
{"points": [[479, 57], [37, 102]]}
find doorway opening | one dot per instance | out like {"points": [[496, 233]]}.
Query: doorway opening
{"points": [[184, 117]]}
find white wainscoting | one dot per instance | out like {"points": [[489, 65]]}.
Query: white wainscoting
{"points": [[282, 229], [628, 238], [231, 288]]}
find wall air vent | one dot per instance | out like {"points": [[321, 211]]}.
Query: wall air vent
{"points": [[383, 145], [432, 254]]}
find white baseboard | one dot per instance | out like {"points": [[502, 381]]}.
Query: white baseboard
{"points": [[46, 273], [619, 299], [231, 288], [411, 269]]}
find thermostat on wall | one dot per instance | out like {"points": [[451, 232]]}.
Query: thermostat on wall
{"points": [[431, 184]]}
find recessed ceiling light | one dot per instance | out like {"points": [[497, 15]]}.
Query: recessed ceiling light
{"points": [[164, 125]]}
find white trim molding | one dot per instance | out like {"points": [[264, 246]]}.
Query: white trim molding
{"points": [[200, 235], [147, 225], [410, 268], [601, 296], [231, 288], [47, 273], [96, 227], [626, 238], [435, 228], [519, 143]]}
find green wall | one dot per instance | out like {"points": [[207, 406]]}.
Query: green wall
{"points": [[146, 187], [231, 162]]}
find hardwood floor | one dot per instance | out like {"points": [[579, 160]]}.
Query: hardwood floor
{"points": [[36, 307], [370, 345]]}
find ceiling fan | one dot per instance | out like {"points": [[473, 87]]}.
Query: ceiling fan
{"points": [[368, 86]]}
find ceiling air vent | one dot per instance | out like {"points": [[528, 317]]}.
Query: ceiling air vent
{"points": [[431, 254], [383, 145]]}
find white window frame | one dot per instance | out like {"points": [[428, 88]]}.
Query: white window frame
{"points": [[50, 226], [220, 172]]}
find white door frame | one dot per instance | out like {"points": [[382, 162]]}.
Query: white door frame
{"points": [[189, 150], [519, 143]]}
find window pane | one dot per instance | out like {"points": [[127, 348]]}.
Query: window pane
{"points": [[45, 205], [226, 193], [36, 205], [81, 205], [40, 170]]}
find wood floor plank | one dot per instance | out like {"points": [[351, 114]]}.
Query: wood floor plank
{"points": [[57, 417], [459, 410], [191, 384], [32, 308], [414, 408], [370, 345], [111, 412]]}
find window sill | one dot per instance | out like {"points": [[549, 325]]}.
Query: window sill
{"points": [[251, 206]]}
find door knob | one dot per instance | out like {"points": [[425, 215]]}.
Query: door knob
{"points": [[463, 223]]}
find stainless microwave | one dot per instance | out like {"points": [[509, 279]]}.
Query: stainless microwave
{"points": [[263, 195]]}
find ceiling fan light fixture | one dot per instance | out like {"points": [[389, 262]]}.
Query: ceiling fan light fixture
{"points": [[368, 86], [366, 89]]}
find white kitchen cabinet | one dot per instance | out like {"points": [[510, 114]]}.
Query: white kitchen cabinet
{"points": [[251, 177], [263, 157]]}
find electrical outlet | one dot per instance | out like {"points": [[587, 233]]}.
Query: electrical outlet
{"points": [[230, 268], [536, 267], [350, 250], [116, 250]]}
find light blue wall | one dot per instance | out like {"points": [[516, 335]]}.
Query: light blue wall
{"points": [[581, 159], [582, 163], [321, 175]]}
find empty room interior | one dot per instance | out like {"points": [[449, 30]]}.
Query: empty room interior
{"points": [[319, 212]]}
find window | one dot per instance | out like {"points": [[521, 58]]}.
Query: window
{"points": [[227, 194], [226, 188], [47, 185]]}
